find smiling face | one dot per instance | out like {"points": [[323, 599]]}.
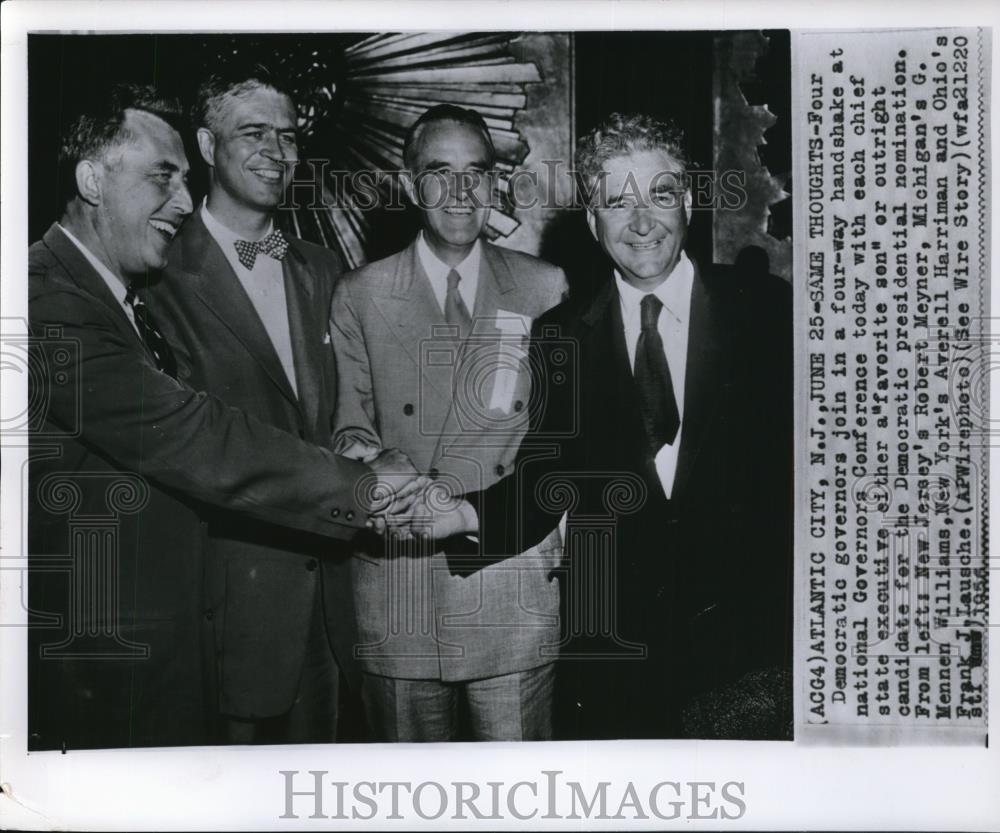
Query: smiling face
{"points": [[641, 219], [449, 182], [141, 196], [252, 150]]}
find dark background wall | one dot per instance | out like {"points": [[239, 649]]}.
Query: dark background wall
{"points": [[664, 74], [67, 73]]}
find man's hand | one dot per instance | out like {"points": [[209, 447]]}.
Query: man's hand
{"points": [[435, 514], [396, 488]]}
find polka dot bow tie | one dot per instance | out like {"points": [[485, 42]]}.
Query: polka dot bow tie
{"points": [[274, 245]]}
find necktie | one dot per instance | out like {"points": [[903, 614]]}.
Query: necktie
{"points": [[274, 245], [455, 311], [652, 377], [151, 336]]}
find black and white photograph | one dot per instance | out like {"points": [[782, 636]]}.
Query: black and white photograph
{"points": [[457, 425], [243, 601]]}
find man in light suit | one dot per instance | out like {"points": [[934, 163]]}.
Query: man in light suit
{"points": [[247, 308], [430, 360], [123, 452], [668, 441]]}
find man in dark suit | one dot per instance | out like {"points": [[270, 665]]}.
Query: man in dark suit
{"points": [[122, 451], [661, 425], [246, 307]]}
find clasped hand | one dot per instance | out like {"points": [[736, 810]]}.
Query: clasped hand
{"points": [[407, 504]]}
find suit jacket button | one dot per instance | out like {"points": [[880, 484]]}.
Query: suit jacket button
{"points": [[335, 512], [209, 614], [519, 406], [349, 515], [499, 469], [311, 564], [408, 409]]}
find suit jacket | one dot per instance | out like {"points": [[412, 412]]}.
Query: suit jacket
{"points": [[683, 595], [120, 454], [458, 410], [261, 579]]}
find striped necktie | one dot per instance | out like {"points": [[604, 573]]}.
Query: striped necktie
{"points": [[151, 335]]}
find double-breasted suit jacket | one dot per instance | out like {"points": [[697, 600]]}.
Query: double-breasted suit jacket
{"points": [[458, 409], [261, 579], [666, 598], [122, 458]]}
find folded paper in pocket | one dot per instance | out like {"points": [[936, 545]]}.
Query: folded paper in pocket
{"points": [[511, 355]]}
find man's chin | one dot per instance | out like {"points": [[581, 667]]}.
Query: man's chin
{"points": [[463, 237], [156, 260]]}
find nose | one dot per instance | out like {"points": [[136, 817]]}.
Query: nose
{"points": [[640, 222], [181, 201], [457, 187]]}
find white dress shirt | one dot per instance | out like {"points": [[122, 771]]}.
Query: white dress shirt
{"points": [[265, 284], [437, 271], [675, 295], [115, 284]]}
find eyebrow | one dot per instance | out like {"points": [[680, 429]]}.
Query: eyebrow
{"points": [[263, 125], [164, 165], [437, 164]]}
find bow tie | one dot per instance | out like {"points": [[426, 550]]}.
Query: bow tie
{"points": [[274, 245]]}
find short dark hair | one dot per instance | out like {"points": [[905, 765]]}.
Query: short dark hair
{"points": [[91, 135], [441, 113], [621, 134], [214, 90]]}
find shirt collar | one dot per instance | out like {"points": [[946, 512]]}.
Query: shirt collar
{"points": [[225, 237], [437, 270], [674, 292], [115, 283]]}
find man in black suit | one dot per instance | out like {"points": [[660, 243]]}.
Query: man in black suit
{"points": [[661, 425], [122, 450]]}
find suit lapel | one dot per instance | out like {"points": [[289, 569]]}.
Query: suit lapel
{"points": [[221, 291], [606, 366], [86, 277], [703, 381], [410, 313], [303, 330], [495, 281]]}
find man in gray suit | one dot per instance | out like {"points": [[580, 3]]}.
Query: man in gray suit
{"points": [[430, 359]]}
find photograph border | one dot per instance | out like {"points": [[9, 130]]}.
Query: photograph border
{"points": [[783, 785]]}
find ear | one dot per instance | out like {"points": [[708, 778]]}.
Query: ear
{"points": [[206, 145], [592, 222], [687, 206], [88, 182]]}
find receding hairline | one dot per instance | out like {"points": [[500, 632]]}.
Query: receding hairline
{"points": [[416, 143], [134, 118]]}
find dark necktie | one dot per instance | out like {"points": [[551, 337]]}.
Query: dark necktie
{"points": [[652, 377], [455, 311], [151, 336], [274, 245]]}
